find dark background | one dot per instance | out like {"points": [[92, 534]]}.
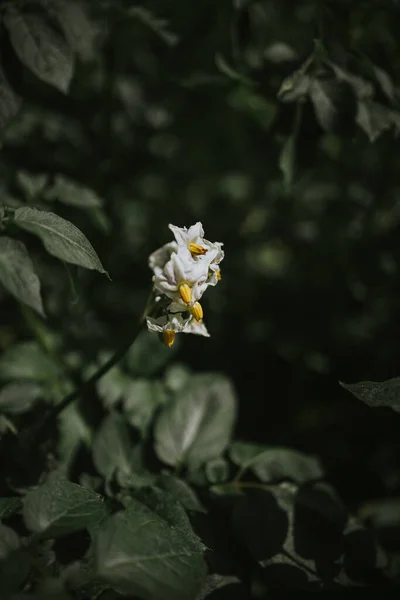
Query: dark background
{"points": [[180, 121]]}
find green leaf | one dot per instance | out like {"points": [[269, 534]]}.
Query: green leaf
{"points": [[362, 88], [287, 162], [111, 387], [216, 582], [26, 360], [148, 355], [223, 66], [322, 94], [373, 118], [112, 448], [31, 184], [39, 45], [17, 273], [10, 101], [19, 397], [377, 393], [60, 237], [80, 32], [197, 424], [296, 86], [73, 431], [60, 507], [147, 552], [159, 26], [181, 491], [217, 470], [9, 506], [243, 454], [141, 399], [72, 193], [276, 463]]}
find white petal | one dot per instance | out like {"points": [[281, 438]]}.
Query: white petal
{"points": [[156, 324], [196, 233], [159, 258], [196, 327], [180, 234]]}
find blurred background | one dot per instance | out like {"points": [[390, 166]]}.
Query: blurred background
{"points": [[175, 115]]}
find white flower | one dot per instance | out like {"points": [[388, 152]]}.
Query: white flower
{"points": [[192, 238], [160, 257], [169, 326], [196, 327], [181, 279]]}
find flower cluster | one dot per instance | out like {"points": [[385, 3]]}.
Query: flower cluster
{"points": [[182, 271]]}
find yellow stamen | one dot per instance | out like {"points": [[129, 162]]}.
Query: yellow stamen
{"points": [[197, 311], [185, 292], [197, 250], [218, 274], [168, 337]]}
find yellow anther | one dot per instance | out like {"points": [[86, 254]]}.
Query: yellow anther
{"points": [[197, 250], [218, 274], [185, 292], [197, 311], [168, 337]]}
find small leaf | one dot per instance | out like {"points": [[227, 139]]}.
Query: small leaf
{"points": [[377, 393], [322, 93], [197, 424], [217, 470], [181, 491], [18, 275], [19, 397], [361, 88], [72, 193], [13, 562], [73, 431], [9, 506], [159, 26], [373, 118], [216, 582], [39, 45], [26, 360], [60, 507], [112, 448], [111, 387], [295, 87], [226, 69], [31, 184], [283, 463], [243, 454], [60, 237], [141, 399], [10, 102], [140, 553], [287, 162]]}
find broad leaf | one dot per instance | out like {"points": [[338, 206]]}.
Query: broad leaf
{"points": [[18, 275], [60, 507], [19, 397], [322, 95], [140, 552], [60, 237], [27, 360], [232, 586], [217, 470], [181, 491], [141, 399], [39, 45], [147, 355], [196, 426], [296, 86], [377, 393], [31, 184], [9, 506], [73, 431], [72, 193], [275, 463], [112, 448], [10, 101], [111, 387], [373, 118]]}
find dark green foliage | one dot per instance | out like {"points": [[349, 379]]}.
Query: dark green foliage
{"points": [[233, 467]]}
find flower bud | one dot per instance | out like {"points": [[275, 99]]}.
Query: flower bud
{"points": [[197, 311], [185, 292], [168, 337]]}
